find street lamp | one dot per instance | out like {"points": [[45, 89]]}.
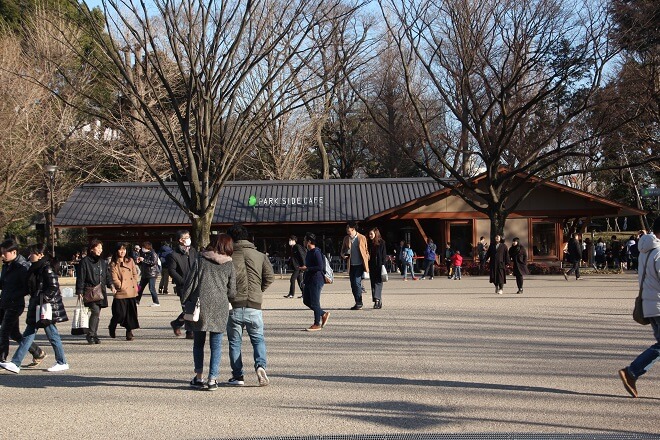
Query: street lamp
{"points": [[50, 169]]}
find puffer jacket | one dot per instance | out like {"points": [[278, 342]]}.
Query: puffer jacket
{"points": [[13, 283], [213, 280], [649, 247], [125, 278], [254, 274], [42, 281], [149, 266]]}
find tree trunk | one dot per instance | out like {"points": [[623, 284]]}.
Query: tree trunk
{"points": [[201, 229], [497, 220], [325, 163]]}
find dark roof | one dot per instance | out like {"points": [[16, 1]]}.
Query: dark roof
{"points": [[300, 201]]}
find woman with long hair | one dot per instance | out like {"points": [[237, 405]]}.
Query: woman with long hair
{"points": [[93, 275], [377, 259], [124, 303], [43, 288], [211, 283]]}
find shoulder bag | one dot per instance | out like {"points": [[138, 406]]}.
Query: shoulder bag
{"points": [[93, 293], [191, 308], [44, 313], [638, 311]]}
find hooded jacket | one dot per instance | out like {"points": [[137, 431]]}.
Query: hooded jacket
{"points": [[649, 247], [254, 274], [13, 283]]}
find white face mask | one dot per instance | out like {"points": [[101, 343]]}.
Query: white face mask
{"points": [[187, 242], [291, 242]]}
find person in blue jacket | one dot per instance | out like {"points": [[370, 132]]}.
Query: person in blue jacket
{"points": [[313, 282]]}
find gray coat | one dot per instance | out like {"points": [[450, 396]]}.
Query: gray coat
{"points": [[212, 278], [649, 247]]}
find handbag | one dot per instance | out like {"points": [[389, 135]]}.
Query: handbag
{"points": [[638, 310], [191, 313], [80, 322], [44, 313], [383, 274], [93, 293]]}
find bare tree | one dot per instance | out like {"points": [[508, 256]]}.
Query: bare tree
{"points": [[512, 80], [202, 80]]}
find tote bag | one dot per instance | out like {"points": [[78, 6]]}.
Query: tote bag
{"points": [[44, 313], [80, 322]]}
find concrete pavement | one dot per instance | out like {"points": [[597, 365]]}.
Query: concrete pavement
{"points": [[442, 356]]}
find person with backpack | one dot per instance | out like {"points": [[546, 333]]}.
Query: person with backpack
{"points": [[313, 282]]}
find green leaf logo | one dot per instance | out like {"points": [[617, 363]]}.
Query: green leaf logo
{"points": [[252, 201]]}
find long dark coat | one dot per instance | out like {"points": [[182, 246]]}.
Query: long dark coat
{"points": [[93, 271], [498, 256], [377, 258], [518, 257]]}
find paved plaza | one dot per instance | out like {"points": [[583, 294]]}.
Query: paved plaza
{"points": [[442, 356]]}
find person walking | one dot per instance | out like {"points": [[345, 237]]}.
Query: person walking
{"points": [[254, 274], [148, 261], [498, 258], [448, 253], [377, 259], [314, 282], [213, 284], [649, 281], [574, 256], [457, 263], [518, 257], [408, 259], [164, 284], [43, 288], [179, 263], [94, 275], [355, 251], [297, 259], [124, 303], [13, 284], [482, 247], [400, 258], [429, 259]]}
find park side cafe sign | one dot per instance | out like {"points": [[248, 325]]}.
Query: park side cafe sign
{"points": [[284, 202]]}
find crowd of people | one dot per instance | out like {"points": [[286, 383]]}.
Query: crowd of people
{"points": [[221, 288]]}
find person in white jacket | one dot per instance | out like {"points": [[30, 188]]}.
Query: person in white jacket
{"points": [[649, 271]]}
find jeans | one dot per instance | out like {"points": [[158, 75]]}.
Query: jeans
{"points": [[312, 299], [9, 329], [28, 338], [164, 284], [253, 321], [407, 266], [575, 268], [428, 268], [376, 290], [94, 316], [457, 272], [296, 276], [215, 344], [355, 274], [152, 289], [645, 361]]}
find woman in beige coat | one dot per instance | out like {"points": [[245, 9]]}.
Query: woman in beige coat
{"points": [[124, 304]]}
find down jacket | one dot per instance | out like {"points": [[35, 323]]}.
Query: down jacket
{"points": [[13, 283], [649, 247], [212, 279], [254, 274], [42, 281]]}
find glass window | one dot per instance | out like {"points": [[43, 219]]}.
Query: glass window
{"points": [[544, 239], [460, 237]]}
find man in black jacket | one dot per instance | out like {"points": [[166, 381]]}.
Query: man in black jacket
{"points": [[13, 284], [574, 256], [179, 263], [297, 260]]}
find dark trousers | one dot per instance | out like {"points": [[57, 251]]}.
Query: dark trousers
{"points": [[164, 285], [575, 268], [94, 316], [449, 265], [312, 299], [519, 280], [9, 330], [296, 276], [376, 290], [428, 268]]}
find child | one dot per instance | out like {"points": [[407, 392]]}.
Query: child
{"points": [[457, 261]]}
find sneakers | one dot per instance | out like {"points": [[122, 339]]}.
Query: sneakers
{"points": [[262, 377], [10, 366], [500, 291], [38, 359], [197, 383], [629, 382], [519, 292], [155, 305], [288, 296], [236, 381], [212, 385], [175, 327], [357, 307], [314, 328], [58, 367], [324, 319]]}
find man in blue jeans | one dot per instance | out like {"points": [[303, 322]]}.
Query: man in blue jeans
{"points": [[254, 274], [355, 250], [649, 276]]}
